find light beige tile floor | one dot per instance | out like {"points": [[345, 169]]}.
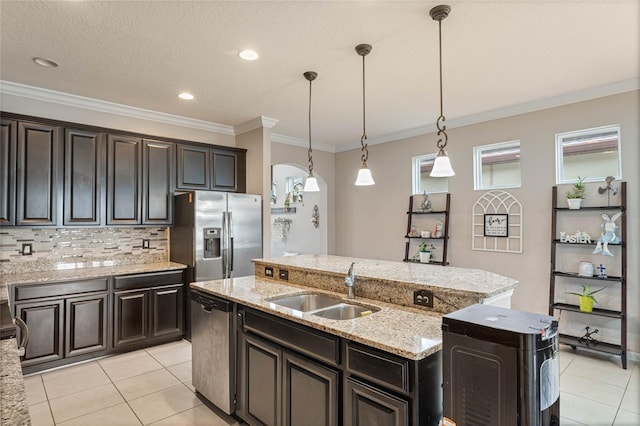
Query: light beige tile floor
{"points": [[153, 386]]}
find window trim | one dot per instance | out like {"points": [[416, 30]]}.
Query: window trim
{"points": [[415, 173], [477, 165], [560, 156]]}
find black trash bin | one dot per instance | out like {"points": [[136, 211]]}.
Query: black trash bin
{"points": [[500, 368]]}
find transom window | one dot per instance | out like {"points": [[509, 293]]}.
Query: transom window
{"points": [[497, 166], [422, 166], [591, 153]]}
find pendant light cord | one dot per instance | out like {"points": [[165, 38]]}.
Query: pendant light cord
{"points": [[365, 150], [440, 122], [310, 151]]}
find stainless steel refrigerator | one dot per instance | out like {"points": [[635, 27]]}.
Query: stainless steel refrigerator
{"points": [[216, 234]]}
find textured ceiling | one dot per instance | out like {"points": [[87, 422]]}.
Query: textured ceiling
{"points": [[496, 54]]}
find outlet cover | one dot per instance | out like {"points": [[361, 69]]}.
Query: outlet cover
{"points": [[283, 274], [423, 298], [268, 271], [27, 249], [145, 243]]}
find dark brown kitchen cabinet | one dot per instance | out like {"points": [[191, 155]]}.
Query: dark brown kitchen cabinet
{"points": [[201, 167], [84, 171], [37, 175], [8, 140], [131, 317], [158, 159], [167, 310], [45, 321], [86, 323], [228, 171], [193, 167], [366, 405], [124, 184]]}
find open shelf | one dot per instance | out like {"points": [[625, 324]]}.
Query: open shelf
{"points": [[445, 231], [433, 262], [592, 208], [620, 244], [595, 277], [431, 212], [424, 238], [596, 311], [598, 347]]}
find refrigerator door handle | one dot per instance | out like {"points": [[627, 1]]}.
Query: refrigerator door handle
{"points": [[225, 250], [230, 216]]}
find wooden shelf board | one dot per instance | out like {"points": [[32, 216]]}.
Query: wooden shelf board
{"points": [[599, 347], [592, 208], [595, 277], [423, 238], [433, 262], [431, 212], [596, 311], [587, 244]]}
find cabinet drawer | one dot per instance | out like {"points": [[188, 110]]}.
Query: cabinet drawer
{"points": [[34, 291], [300, 338], [378, 367], [148, 280]]}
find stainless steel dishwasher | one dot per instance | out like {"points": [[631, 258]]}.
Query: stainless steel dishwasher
{"points": [[213, 350]]}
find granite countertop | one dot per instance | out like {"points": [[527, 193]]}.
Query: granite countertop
{"points": [[483, 284], [13, 398], [403, 331], [70, 274]]}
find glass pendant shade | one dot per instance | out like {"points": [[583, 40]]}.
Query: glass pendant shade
{"points": [[311, 184], [442, 166], [364, 177]]}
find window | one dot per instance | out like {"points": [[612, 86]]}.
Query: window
{"points": [[592, 153], [422, 166], [496, 166]]}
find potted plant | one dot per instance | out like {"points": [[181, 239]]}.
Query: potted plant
{"points": [[586, 299], [576, 194], [425, 252]]}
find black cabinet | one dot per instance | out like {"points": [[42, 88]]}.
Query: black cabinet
{"points": [[37, 174], [158, 160], [228, 171], [86, 324], [148, 308], [84, 171], [201, 167], [8, 141], [124, 180], [193, 167], [366, 405], [45, 321]]}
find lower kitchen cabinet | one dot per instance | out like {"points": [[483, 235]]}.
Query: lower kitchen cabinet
{"points": [[367, 405], [167, 310], [86, 324], [45, 321], [131, 317]]}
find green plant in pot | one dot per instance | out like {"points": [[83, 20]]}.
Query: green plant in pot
{"points": [[425, 252], [576, 194], [586, 298]]}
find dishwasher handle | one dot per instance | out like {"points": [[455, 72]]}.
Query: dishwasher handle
{"points": [[208, 303], [24, 336]]}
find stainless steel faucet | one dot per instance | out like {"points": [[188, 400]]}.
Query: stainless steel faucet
{"points": [[350, 281]]}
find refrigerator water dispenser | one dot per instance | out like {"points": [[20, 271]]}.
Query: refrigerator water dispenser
{"points": [[211, 242]]}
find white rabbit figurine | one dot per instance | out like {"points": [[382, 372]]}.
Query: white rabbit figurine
{"points": [[608, 235]]}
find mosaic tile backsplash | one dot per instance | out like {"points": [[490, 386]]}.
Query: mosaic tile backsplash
{"points": [[62, 248]]}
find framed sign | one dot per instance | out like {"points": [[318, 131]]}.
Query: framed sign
{"points": [[496, 225]]}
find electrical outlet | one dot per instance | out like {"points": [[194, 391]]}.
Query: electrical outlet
{"points": [[145, 243], [27, 249], [423, 298], [268, 271], [283, 274]]}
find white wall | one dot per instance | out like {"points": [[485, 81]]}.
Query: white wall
{"points": [[372, 220]]}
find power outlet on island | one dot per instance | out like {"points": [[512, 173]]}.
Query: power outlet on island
{"points": [[268, 271], [283, 274], [423, 298]]}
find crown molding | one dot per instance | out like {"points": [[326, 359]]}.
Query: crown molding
{"points": [[302, 143], [538, 105], [256, 123], [46, 95]]}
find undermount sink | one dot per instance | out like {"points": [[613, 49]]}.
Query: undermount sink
{"points": [[345, 311], [324, 306], [306, 302]]}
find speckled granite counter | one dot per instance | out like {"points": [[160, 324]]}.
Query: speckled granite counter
{"points": [[13, 399], [82, 273], [392, 282], [403, 331]]}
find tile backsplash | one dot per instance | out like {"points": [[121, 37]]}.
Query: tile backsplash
{"points": [[62, 248]]}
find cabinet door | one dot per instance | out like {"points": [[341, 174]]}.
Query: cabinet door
{"points": [[157, 182], [37, 174], [123, 181], [85, 324], [84, 156], [365, 405], [261, 381], [166, 311], [8, 138], [131, 317], [310, 393], [193, 167], [225, 170], [45, 322]]}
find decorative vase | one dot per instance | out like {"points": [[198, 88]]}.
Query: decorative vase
{"points": [[585, 269], [425, 256], [574, 203], [586, 303]]}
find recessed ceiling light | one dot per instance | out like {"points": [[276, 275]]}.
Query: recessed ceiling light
{"points": [[185, 95], [249, 55], [45, 62]]}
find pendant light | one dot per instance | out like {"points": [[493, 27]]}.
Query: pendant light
{"points": [[442, 164], [364, 174], [311, 184]]}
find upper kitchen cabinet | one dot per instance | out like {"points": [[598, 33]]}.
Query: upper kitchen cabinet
{"points": [[8, 138], [84, 170], [37, 174], [124, 181], [218, 169], [158, 159]]}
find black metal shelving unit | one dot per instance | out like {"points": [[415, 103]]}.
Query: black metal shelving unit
{"points": [[445, 231], [575, 341]]}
